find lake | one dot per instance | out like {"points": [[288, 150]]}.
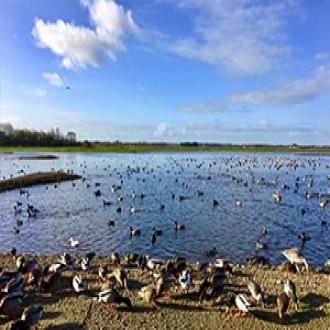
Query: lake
{"points": [[73, 210]]}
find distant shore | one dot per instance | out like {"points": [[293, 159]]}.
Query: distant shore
{"points": [[65, 310], [159, 147]]}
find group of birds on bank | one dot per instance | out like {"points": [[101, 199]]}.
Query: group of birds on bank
{"points": [[211, 279]]}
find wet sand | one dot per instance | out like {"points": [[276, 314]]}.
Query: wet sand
{"points": [[66, 310]]}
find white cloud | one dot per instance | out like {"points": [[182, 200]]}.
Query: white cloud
{"points": [[240, 37], [288, 94], [53, 78], [40, 92], [322, 56], [291, 93], [163, 130], [79, 46]]}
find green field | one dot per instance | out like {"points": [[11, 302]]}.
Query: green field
{"points": [[143, 148]]}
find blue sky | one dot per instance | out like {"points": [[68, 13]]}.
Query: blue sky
{"points": [[238, 71]]}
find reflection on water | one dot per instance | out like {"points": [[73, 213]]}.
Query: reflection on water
{"points": [[74, 210]]}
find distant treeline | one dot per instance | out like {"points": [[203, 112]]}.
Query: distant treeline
{"points": [[26, 138]]}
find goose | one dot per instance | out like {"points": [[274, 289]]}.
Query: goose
{"points": [[179, 226], [212, 253], [77, 283], [74, 243], [256, 292], [14, 285], [30, 317], [291, 291], [296, 258], [282, 302], [134, 232]]}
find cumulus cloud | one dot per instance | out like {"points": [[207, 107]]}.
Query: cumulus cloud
{"points": [[241, 37], [288, 94], [80, 46], [53, 78]]}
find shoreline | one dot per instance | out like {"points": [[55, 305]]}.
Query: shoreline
{"points": [[65, 310]]}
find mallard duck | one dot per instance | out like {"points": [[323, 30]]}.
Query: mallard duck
{"points": [[77, 283], [134, 232], [256, 292], [179, 226], [296, 258], [120, 275], [156, 231], [282, 302], [148, 294], [242, 303], [185, 280], [103, 272], [238, 203], [291, 291], [10, 305], [112, 297], [212, 253], [30, 317], [14, 285], [74, 243], [277, 196], [115, 258]]}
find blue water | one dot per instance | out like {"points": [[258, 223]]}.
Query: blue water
{"points": [[74, 211]]}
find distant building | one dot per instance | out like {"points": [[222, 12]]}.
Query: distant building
{"points": [[6, 128], [71, 136]]}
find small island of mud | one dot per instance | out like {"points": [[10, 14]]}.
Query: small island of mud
{"points": [[32, 179]]}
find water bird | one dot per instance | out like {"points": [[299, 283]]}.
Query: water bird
{"points": [[256, 292], [134, 232], [10, 305], [238, 203], [296, 258], [113, 298], [77, 283], [30, 318], [291, 291], [282, 302], [179, 226], [74, 243]]}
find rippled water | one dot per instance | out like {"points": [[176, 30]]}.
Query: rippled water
{"points": [[75, 211]]}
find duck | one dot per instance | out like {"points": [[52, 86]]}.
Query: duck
{"points": [[212, 253], [103, 272], [215, 203], [134, 232], [10, 305], [282, 302], [156, 232], [185, 280], [148, 294], [323, 203], [296, 258], [261, 245], [120, 276], [112, 297], [14, 285], [115, 258], [49, 281], [256, 292], [242, 303], [133, 209], [264, 231], [238, 203], [291, 291], [74, 243], [277, 196], [179, 226], [106, 202], [30, 317], [77, 283], [303, 237], [111, 223]]}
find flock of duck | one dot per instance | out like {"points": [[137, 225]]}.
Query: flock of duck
{"points": [[113, 282], [166, 274]]}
